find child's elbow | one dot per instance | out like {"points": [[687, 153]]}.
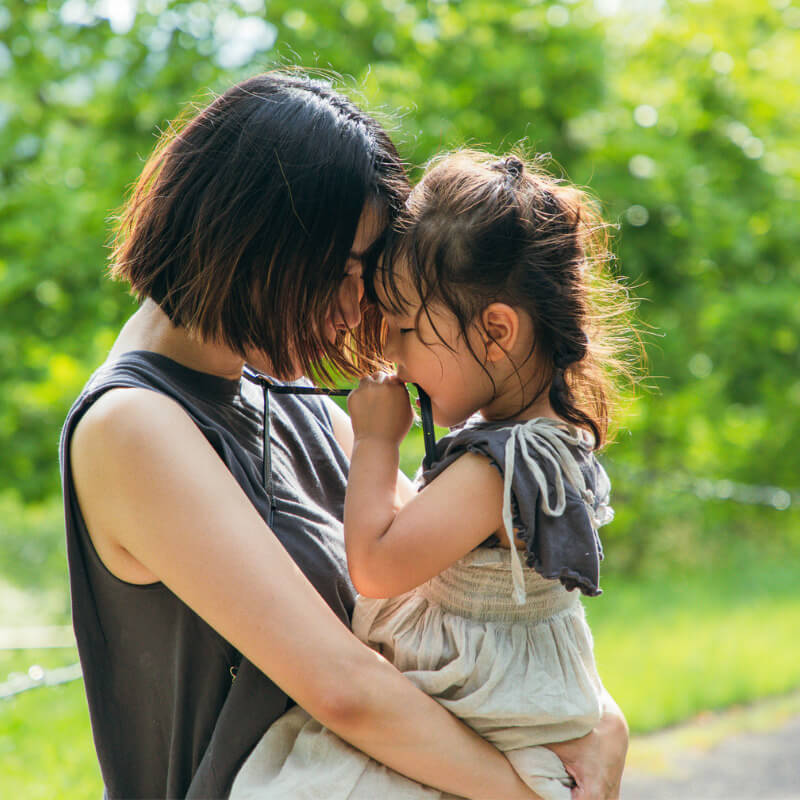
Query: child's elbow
{"points": [[366, 578], [368, 587]]}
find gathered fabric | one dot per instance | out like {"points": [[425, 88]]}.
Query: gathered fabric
{"points": [[546, 440], [521, 675]]}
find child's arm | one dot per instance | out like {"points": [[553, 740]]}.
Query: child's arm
{"points": [[393, 547], [343, 431]]}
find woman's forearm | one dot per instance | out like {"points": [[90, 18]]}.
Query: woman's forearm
{"points": [[393, 722], [386, 716]]}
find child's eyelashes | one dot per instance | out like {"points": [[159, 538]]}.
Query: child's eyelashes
{"points": [[399, 324]]}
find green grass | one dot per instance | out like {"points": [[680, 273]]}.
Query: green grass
{"points": [[46, 748], [677, 644]]}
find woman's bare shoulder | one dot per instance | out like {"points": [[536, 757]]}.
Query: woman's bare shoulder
{"points": [[125, 413], [157, 498], [123, 440]]}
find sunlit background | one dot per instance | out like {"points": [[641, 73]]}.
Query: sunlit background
{"points": [[681, 117]]}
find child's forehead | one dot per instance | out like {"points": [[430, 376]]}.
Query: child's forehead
{"points": [[395, 288]]}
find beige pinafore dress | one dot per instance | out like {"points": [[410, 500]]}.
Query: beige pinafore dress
{"points": [[501, 646]]}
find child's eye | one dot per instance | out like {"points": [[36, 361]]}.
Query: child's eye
{"points": [[407, 330]]}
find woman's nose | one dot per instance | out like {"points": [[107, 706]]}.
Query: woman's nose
{"points": [[348, 311], [390, 345]]}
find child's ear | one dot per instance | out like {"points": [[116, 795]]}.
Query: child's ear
{"points": [[501, 329]]}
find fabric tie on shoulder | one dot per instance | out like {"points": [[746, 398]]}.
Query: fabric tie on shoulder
{"points": [[548, 440]]}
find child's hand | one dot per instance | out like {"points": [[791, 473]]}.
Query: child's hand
{"points": [[380, 408]]}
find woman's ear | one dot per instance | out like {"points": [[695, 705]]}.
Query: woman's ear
{"points": [[500, 328]]}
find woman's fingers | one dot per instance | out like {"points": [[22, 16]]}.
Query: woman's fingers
{"points": [[596, 761]]}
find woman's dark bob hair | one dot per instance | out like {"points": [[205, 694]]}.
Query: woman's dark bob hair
{"points": [[242, 222]]}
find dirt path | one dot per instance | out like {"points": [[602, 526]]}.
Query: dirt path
{"points": [[746, 754]]}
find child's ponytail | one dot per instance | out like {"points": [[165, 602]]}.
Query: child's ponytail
{"points": [[478, 229]]}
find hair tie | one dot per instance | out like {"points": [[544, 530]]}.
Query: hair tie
{"points": [[511, 166], [581, 347], [514, 167]]}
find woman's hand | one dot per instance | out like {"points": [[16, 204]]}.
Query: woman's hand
{"points": [[380, 408], [596, 760]]}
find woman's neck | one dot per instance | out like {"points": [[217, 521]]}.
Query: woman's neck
{"points": [[150, 329]]}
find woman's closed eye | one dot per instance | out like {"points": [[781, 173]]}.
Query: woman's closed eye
{"points": [[406, 330]]}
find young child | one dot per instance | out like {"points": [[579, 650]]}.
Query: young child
{"points": [[497, 303]]}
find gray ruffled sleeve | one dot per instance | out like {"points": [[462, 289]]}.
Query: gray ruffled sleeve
{"points": [[556, 496]]}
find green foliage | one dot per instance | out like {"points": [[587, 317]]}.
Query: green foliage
{"points": [[682, 120], [32, 547]]}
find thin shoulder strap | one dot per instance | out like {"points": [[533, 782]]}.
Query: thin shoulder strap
{"points": [[268, 385]]}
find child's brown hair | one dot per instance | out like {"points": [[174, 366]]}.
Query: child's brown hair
{"points": [[478, 229]]}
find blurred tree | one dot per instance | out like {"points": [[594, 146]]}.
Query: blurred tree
{"points": [[681, 116]]}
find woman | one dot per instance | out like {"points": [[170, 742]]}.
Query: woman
{"points": [[196, 621]]}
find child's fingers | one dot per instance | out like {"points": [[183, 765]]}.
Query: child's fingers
{"points": [[378, 394], [378, 378], [381, 379]]}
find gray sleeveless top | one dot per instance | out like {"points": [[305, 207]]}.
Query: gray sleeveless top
{"points": [[168, 718]]}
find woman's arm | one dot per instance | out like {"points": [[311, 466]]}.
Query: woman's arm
{"points": [[166, 501]]}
